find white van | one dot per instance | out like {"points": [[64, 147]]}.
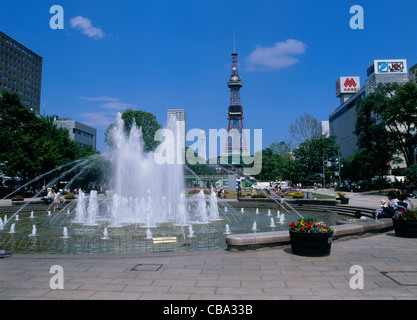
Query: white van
{"points": [[261, 185], [283, 184]]}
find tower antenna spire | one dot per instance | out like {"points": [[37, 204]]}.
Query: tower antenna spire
{"points": [[234, 41]]}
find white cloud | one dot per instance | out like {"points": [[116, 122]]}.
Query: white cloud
{"points": [[108, 102], [280, 56], [86, 27], [103, 118], [98, 119], [99, 99]]}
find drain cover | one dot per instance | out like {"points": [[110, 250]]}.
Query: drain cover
{"points": [[147, 267], [403, 278]]}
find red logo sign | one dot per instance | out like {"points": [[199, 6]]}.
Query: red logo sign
{"points": [[350, 83]]}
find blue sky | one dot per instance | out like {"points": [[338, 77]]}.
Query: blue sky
{"points": [[159, 55]]}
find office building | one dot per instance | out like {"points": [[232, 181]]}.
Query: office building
{"points": [[83, 135], [413, 74], [181, 117], [20, 72], [342, 121]]}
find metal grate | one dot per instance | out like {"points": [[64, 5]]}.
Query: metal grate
{"points": [[147, 267]]}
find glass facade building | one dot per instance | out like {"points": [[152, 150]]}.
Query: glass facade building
{"points": [[20, 72]]}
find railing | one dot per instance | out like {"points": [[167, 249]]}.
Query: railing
{"points": [[119, 244]]}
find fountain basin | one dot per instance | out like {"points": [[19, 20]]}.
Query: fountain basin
{"points": [[240, 242]]}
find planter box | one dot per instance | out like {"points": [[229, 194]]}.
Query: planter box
{"points": [[405, 229], [311, 244], [344, 200]]}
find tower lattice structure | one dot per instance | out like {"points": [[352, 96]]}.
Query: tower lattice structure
{"points": [[235, 142]]}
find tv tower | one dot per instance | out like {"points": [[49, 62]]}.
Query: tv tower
{"points": [[235, 141]]}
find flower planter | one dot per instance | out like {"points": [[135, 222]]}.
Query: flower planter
{"points": [[405, 229], [311, 244], [344, 200]]}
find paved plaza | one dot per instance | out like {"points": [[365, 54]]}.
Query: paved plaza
{"points": [[389, 272], [389, 265]]}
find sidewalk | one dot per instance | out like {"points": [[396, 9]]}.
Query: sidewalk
{"points": [[389, 264], [358, 199]]}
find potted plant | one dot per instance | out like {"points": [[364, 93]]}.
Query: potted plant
{"points": [[18, 198], [405, 223], [343, 197], [310, 237]]}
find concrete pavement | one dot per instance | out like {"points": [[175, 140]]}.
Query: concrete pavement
{"points": [[364, 200], [389, 267]]}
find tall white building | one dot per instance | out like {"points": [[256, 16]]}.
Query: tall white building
{"points": [[181, 117]]}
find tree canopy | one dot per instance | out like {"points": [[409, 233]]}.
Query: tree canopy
{"points": [[144, 120], [32, 144], [386, 124]]}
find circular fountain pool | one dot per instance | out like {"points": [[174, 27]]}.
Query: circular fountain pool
{"points": [[61, 233]]}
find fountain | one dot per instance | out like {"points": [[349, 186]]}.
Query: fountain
{"points": [[65, 233], [145, 178], [105, 234], [190, 231], [1, 224], [17, 217], [31, 215], [144, 193], [92, 209], [282, 218], [12, 228], [33, 234], [272, 224], [149, 235], [227, 228], [214, 208], [201, 206], [80, 208]]}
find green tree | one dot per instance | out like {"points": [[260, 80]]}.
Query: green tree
{"points": [[310, 157], [144, 120], [411, 174], [376, 144], [386, 124], [31, 145]]}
